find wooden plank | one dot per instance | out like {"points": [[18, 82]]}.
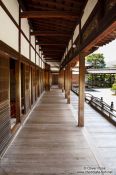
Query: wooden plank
{"points": [[49, 14], [48, 33], [5, 132], [49, 142], [50, 44], [101, 133]]}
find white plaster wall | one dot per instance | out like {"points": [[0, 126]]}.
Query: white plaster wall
{"points": [[33, 41], [76, 33], [8, 31], [24, 42], [13, 7], [24, 47], [69, 45], [32, 55], [42, 65], [37, 59], [40, 62], [87, 11], [25, 27]]}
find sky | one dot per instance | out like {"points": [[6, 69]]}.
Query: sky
{"points": [[109, 52]]}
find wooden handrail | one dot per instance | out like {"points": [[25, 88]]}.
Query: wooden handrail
{"points": [[99, 104]]}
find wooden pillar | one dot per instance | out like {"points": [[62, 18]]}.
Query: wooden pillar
{"points": [[18, 76], [81, 90], [30, 94], [65, 82], [59, 79], [47, 77], [68, 83], [18, 90]]}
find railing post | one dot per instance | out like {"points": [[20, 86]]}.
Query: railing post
{"points": [[102, 105], [112, 106], [101, 99]]}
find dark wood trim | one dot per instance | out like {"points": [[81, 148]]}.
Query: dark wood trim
{"points": [[8, 50], [29, 44], [108, 19], [49, 14], [50, 44], [48, 33], [4, 48], [19, 39]]}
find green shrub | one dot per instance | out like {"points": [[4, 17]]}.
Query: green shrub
{"points": [[114, 88]]}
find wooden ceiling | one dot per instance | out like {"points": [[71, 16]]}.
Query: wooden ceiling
{"points": [[53, 23]]}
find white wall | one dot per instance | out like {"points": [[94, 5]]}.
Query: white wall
{"points": [[24, 47], [37, 59], [76, 33], [13, 7], [32, 55], [33, 41], [24, 42], [8, 31], [25, 27]]}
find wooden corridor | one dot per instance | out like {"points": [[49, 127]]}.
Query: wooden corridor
{"points": [[50, 143]]}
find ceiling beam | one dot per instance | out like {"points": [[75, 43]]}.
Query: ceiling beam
{"points": [[47, 33], [52, 60], [57, 4], [50, 44], [51, 50], [49, 14]]}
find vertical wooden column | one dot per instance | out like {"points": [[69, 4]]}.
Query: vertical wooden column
{"points": [[60, 80], [18, 90], [47, 77], [81, 89], [30, 79], [18, 76], [68, 83], [35, 74], [65, 82]]}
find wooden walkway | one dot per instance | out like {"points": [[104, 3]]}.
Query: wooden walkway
{"points": [[50, 143], [101, 134]]}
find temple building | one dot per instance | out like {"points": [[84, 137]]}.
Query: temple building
{"points": [[41, 41]]}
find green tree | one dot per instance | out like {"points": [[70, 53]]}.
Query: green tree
{"points": [[114, 88], [97, 60]]}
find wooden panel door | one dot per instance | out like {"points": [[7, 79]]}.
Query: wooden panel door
{"points": [[27, 88], [5, 131]]}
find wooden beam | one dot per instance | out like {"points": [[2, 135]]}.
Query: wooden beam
{"points": [[47, 33], [54, 58], [52, 61], [51, 54], [49, 14], [68, 83], [50, 44], [57, 4], [51, 50], [18, 91]]}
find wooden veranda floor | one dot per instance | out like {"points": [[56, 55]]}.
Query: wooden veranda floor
{"points": [[50, 143]]}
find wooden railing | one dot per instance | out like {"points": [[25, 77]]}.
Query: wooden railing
{"points": [[98, 104]]}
